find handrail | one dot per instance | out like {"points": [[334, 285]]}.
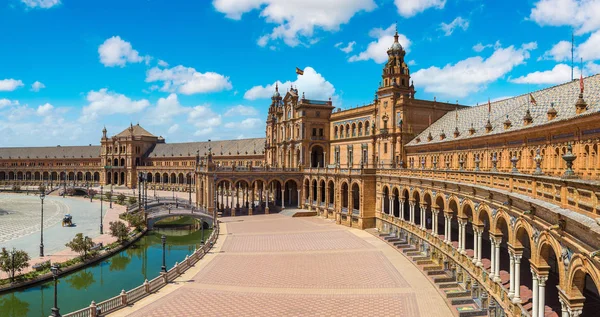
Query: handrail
{"points": [[135, 294]]}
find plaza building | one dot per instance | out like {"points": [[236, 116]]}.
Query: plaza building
{"points": [[498, 201]]}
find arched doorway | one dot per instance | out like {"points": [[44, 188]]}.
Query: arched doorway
{"points": [[317, 158]]}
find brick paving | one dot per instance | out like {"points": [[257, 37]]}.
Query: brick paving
{"points": [[272, 265]]}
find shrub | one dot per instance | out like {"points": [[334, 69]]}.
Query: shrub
{"points": [[81, 245], [119, 230]]}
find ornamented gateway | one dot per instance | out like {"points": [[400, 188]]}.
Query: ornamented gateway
{"points": [[503, 198]]}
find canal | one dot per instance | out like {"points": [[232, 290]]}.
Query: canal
{"points": [[122, 271]]}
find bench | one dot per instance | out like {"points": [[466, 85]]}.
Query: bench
{"points": [[40, 266], [97, 246]]}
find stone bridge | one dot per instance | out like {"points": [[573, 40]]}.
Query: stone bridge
{"points": [[156, 214]]}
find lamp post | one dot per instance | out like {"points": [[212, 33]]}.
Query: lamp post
{"points": [[42, 196], [190, 186], [55, 310], [65, 184], [101, 228], [140, 180], [164, 265]]}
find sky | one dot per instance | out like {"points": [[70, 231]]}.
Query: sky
{"points": [[206, 69]]}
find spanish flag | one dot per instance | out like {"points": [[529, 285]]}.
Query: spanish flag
{"points": [[299, 71], [532, 100]]}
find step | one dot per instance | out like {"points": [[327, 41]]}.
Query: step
{"points": [[470, 311], [461, 301], [424, 262], [411, 252], [454, 293], [447, 285], [409, 249], [392, 239], [443, 279], [421, 258], [436, 272], [403, 246], [401, 242], [432, 268]]}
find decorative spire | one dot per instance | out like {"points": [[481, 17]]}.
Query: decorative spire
{"points": [[552, 113], [472, 129], [527, 119], [507, 123], [580, 105]]}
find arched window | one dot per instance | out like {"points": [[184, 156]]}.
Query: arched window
{"points": [[360, 129], [367, 128]]}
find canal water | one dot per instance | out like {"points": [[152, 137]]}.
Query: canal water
{"points": [[123, 271]]}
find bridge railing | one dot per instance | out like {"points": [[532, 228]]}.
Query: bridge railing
{"points": [[125, 299]]}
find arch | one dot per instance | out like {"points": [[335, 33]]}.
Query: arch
{"points": [[355, 198], [173, 179], [157, 178], [522, 234], [331, 192], [314, 191], [322, 192], [345, 196], [149, 177], [165, 178], [180, 179], [122, 162], [317, 156], [291, 196], [583, 281], [306, 190], [386, 200], [482, 216]]}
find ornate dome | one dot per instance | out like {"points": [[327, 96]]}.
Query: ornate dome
{"points": [[276, 94]]}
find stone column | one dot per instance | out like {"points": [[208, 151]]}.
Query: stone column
{"points": [[447, 228], [401, 207], [382, 203], [493, 257], [516, 278], [267, 203], [479, 243], [475, 245], [423, 217], [282, 199], [391, 202], [460, 227], [434, 224], [497, 257], [511, 290], [535, 296], [463, 232], [542, 295], [412, 212], [298, 199]]}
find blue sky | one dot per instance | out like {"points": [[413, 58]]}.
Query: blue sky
{"points": [[194, 70]]}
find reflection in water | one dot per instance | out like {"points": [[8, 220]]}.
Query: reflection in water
{"points": [[106, 279], [81, 280], [12, 306]]}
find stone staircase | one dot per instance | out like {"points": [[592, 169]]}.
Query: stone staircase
{"points": [[459, 298]]}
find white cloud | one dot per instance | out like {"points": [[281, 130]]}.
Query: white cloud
{"points": [[35, 87], [8, 103], [42, 4], [313, 84], [117, 52], [377, 50], [174, 128], [590, 49], [591, 68], [187, 80], [412, 62], [459, 22], [204, 119], [162, 63], [165, 110], [44, 109], [241, 110], [346, 49], [296, 20], [10, 84], [561, 73], [409, 8], [104, 102], [580, 14], [561, 51], [472, 74], [249, 123], [480, 47]]}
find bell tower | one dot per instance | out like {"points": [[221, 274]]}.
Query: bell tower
{"points": [[396, 75]]}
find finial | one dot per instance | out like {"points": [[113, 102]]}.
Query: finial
{"points": [[303, 95], [277, 87]]}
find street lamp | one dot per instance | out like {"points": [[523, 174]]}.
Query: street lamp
{"points": [[140, 180], [55, 310], [42, 196], [164, 242], [101, 227], [190, 186]]}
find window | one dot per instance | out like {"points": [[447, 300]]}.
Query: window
{"points": [[384, 147], [321, 132], [314, 131], [318, 113]]}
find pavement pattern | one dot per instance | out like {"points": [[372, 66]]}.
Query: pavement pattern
{"points": [[273, 265]]}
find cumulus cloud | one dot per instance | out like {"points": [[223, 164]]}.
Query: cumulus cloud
{"points": [[241, 110], [249, 123], [204, 119], [579, 14], [35, 87], [162, 63], [472, 74], [590, 49], [377, 50], [346, 49], [561, 73], [165, 110], [561, 51], [117, 52], [187, 80], [313, 84], [42, 4], [174, 128], [8, 103], [104, 102], [296, 21], [409, 8], [44, 109], [459, 22], [10, 84]]}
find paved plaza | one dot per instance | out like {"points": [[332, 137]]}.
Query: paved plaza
{"points": [[274, 265]]}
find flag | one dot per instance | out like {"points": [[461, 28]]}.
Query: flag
{"points": [[299, 71], [581, 82], [532, 100]]}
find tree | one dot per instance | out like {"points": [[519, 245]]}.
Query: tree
{"points": [[70, 191], [13, 261], [132, 200], [16, 188], [42, 189], [136, 221], [120, 199], [119, 230], [92, 193], [108, 196], [81, 245]]}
